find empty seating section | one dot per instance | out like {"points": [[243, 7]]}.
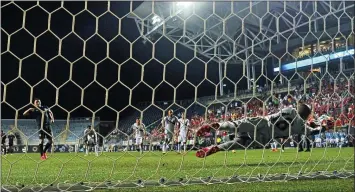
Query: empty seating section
{"points": [[27, 131]]}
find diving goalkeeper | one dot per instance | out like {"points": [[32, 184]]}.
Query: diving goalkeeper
{"points": [[288, 121]]}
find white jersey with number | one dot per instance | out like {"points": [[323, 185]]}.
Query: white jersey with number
{"points": [[138, 129], [184, 124], [169, 123]]}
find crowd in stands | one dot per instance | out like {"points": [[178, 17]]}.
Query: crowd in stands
{"points": [[321, 50], [326, 97]]}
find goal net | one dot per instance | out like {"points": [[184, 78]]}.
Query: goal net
{"points": [[108, 65]]}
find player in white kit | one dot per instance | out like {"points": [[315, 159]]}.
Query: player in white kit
{"points": [[90, 140], [168, 123], [139, 131], [184, 125]]}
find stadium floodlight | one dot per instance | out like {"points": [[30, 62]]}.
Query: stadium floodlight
{"points": [[156, 20]]}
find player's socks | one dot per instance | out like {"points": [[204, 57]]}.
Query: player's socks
{"points": [[164, 148], [48, 145], [184, 147], [40, 147], [207, 151], [96, 150], [273, 146], [178, 148]]}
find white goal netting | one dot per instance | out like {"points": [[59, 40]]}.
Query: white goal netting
{"points": [[104, 65]]}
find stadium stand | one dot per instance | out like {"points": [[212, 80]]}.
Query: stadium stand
{"points": [[27, 132], [323, 102], [335, 105]]}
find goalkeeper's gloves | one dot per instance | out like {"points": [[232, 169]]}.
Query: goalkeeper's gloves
{"points": [[313, 125], [318, 130]]}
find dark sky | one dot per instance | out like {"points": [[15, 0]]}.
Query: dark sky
{"points": [[50, 61]]}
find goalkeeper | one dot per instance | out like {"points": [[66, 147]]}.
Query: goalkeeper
{"points": [[90, 140], [288, 121]]}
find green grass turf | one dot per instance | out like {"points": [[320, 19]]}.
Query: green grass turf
{"points": [[332, 185], [27, 169], [338, 185]]}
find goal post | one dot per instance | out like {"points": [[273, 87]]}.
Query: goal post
{"points": [[216, 62]]}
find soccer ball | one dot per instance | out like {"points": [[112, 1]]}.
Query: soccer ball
{"points": [[233, 151]]}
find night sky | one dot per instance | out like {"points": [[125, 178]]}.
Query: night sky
{"points": [[55, 58]]}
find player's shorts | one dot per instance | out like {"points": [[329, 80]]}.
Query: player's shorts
{"points": [[337, 140], [351, 130], [342, 139], [139, 140], [91, 142], [169, 134], [182, 137], [45, 132], [332, 141]]}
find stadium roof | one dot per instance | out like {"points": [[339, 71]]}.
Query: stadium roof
{"points": [[216, 30]]}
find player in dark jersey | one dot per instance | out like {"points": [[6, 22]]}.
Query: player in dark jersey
{"points": [[3, 140], [10, 138], [45, 131], [287, 122]]}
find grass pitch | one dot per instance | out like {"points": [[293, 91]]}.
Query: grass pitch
{"points": [[338, 185], [28, 169]]}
